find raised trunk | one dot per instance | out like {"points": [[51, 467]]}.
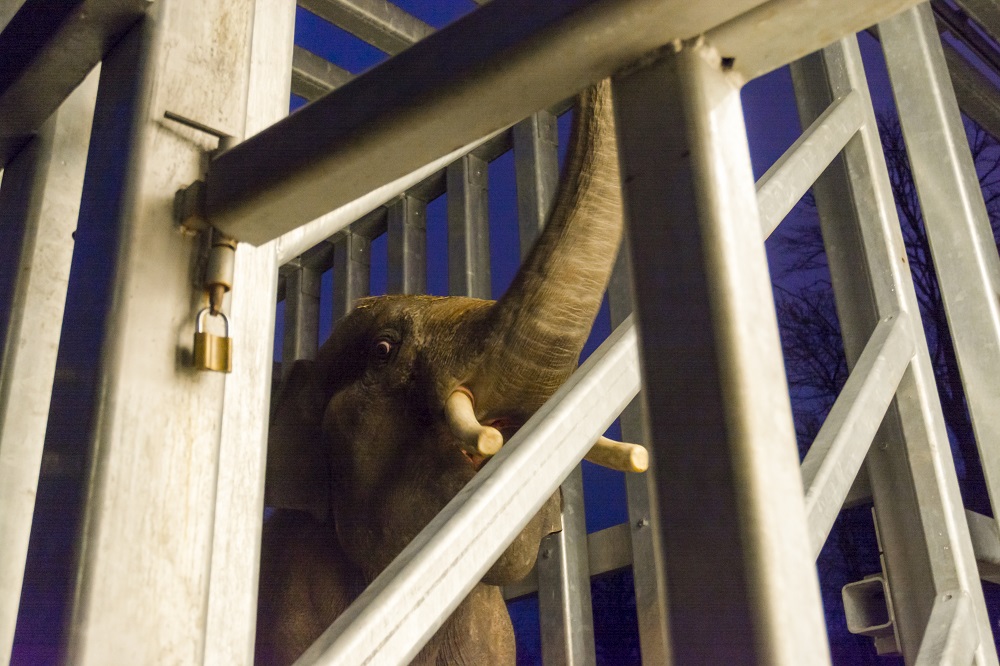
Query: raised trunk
{"points": [[542, 322]]}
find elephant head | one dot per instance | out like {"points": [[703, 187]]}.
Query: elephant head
{"points": [[373, 438]]}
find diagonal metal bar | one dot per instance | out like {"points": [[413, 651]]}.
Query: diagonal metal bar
{"points": [[797, 169], [839, 449], [403, 607]]}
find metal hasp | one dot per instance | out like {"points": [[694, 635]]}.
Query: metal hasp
{"points": [[919, 515], [39, 203], [46, 50], [957, 223], [723, 454]]}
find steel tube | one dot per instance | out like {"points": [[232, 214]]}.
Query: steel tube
{"points": [[836, 455], [39, 204], [410, 111], [407, 268], [301, 338], [957, 223], [468, 228], [536, 174], [791, 176], [352, 272], [382, 24], [732, 531], [951, 637], [403, 607], [313, 77]]}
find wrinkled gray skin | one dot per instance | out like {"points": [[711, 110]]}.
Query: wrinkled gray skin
{"points": [[360, 457]]}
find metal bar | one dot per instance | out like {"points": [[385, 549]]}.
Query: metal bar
{"points": [[409, 111], [46, 50], [564, 606], [536, 174], [378, 22], [407, 268], [960, 27], [919, 514], [723, 456], [301, 339], [313, 77], [352, 272], [955, 217], [782, 31], [836, 455], [791, 176], [974, 91], [951, 637], [468, 228], [154, 427], [406, 604], [39, 203], [647, 565], [984, 12]]}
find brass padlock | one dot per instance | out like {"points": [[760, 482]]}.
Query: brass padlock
{"points": [[212, 352]]}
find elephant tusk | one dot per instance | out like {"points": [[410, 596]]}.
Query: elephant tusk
{"points": [[619, 455], [476, 438]]}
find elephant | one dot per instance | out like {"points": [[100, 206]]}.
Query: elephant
{"points": [[404, 403]]}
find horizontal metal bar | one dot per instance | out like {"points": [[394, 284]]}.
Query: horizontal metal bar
{"points": [[951, 636], [410, 110], [378, 22], [313, 77], [46, 50], [839, 449], [782, 31], [780, 188], [607, 550], [412, 597]]}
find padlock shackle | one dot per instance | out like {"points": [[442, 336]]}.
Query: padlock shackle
{"points": [[199, 326]]}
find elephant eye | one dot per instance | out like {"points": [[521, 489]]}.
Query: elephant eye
{"points": [[383, 350]]}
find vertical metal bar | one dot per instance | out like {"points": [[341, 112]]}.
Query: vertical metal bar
{"points": [[468, 228], [407, 270], [919, 514], [536, 174], [232, 600], [301, 339], [741, 581], [564, 603], [958, 226], [352, 271], [39, 203], [647, 564], [154, 423]]}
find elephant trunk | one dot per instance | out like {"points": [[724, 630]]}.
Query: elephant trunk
{"points": [[540, 325]]}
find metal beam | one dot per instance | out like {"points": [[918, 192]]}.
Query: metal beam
{"points": [[378, 22], [407, 266], [39, 203], [409, 110], [468, 228], [722, 456], [351, 272], [313, 77], [536, 173], [406, 604], [955, 217], [154, 424], [301, 339], [46, 50]]}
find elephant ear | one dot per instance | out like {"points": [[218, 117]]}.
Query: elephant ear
{"points": [[298, 470]]}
